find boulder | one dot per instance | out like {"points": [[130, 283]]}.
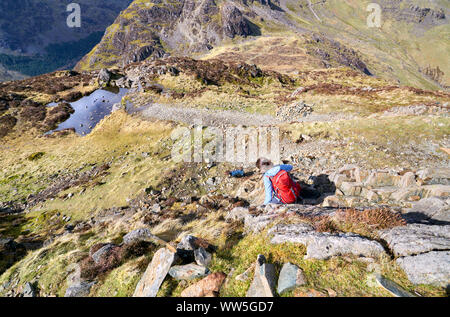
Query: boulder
{"points": [[332, 201], [385, 192], [416, 238], [188, 271], [81, 289], [429, 268], [156, 271], [191, 243], [370, 195], [324, 245], [208, 286], [291, 276], [142, 234], [338, 179], [263, 284], [202, 257], [405, 193]]}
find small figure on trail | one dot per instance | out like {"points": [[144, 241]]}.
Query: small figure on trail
{"points": [[278, 184]]}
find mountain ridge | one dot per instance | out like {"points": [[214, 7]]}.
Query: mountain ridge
{"points": [[137, 34]]}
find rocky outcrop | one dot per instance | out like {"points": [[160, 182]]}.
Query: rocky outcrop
{"points": [[416, 239], [429, 268], [325, 245], [358, 187], [156, 29], [422, 251]]}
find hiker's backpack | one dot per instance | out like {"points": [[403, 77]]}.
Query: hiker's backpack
{"points": [[285, 188]]}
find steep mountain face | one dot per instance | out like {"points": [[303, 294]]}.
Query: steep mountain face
{"points": [[152, 29], [35, 38], [331, 32]]}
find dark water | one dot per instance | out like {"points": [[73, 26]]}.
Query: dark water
{"points": [[90, 110]]}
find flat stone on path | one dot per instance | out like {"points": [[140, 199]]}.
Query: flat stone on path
{"points": [[416, 238], [153, 277], [323, 245], [429, 268]]}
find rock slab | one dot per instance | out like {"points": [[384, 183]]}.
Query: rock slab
{"points": [[263, 284], [429, 268], [291, 276], [153, 277], [323, 245], [415, 239]]}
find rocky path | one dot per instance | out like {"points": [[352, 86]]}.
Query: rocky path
{"points": [[222, 117]]}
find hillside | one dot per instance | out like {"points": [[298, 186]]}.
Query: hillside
{"points": [[409, 47], [116, 182], [35, 39]]}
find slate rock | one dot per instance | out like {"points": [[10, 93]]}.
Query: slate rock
{"points": [[263, 284], [188, 242], [202, 257], [155, 273], [416, 238], [188, 271], [290, 277], [431, 268], [29, 290]]}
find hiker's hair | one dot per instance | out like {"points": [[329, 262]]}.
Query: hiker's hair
{"points": [[262, 161]]}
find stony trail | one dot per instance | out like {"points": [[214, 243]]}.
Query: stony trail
{"points": [[222, 117]]}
